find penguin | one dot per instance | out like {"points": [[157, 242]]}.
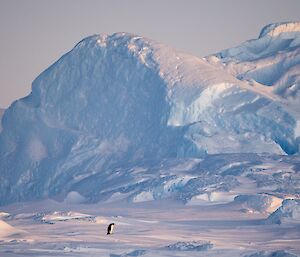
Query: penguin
{"points": [[110, 228]]}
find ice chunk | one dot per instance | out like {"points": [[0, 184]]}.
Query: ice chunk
{"points": [[191, 246], [74, 197]]}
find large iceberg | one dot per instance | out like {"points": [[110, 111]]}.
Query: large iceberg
{"points": [[115, 100]]}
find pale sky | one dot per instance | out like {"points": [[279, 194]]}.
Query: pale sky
{"points": [[35, 33]]}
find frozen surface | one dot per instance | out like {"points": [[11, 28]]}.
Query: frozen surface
{"points": [[248, 211]]}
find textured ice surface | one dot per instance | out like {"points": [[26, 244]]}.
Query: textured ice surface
{"points": [[190, 246], [64, 216], [270, 63]]}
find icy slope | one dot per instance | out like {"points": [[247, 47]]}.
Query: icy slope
{"points": [[7, 231], [115, 101]]}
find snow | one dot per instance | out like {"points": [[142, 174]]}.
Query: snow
{"points": [[160, 228], [271, 61], [181, 153], [289, 212], [74, 198], [166, 187], [7, 231], [211, 198], [64, 216], [143, 197], [277, 29], [259, 203], [4, 215]]}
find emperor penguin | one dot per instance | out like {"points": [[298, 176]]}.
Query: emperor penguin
{"points": [[110, 228]]}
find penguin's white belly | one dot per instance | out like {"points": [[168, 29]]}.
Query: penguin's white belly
{"points": [[111, 229]]}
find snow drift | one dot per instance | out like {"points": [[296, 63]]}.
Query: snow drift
{"points": [[117, 100]]}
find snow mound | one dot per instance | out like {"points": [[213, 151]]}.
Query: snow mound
{"points": [[74, 198], [4, 215], [258, 203], [65, 216], [288, 213], [7, 230], [190, 246]]}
